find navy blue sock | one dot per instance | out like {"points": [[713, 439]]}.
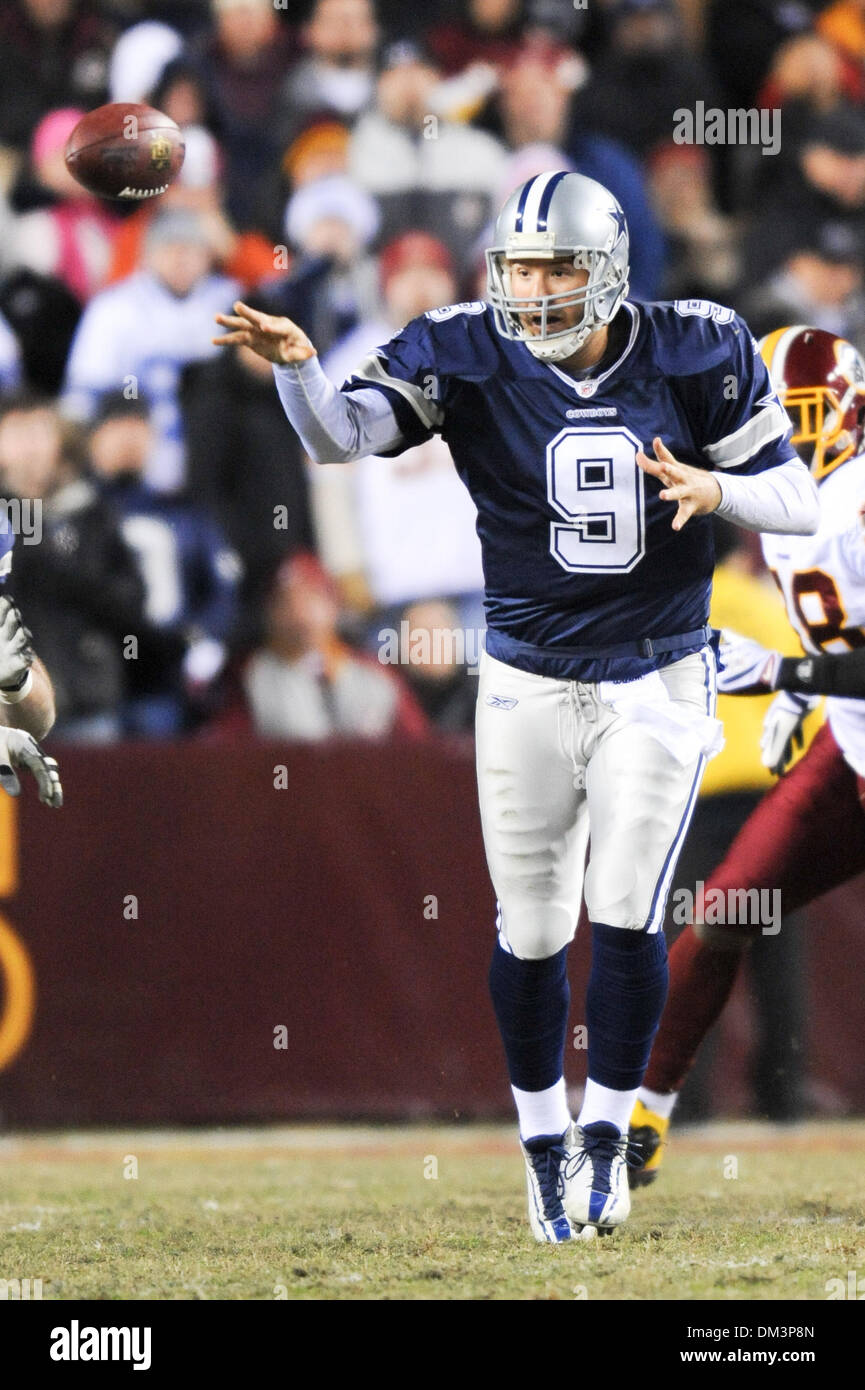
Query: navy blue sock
{"points": [[531, 999], [624, 1002]]}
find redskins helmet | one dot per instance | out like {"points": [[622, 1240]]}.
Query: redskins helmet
{"points": [[821, 381]]}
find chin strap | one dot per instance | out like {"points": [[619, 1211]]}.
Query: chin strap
{"points": [[559, 349]]}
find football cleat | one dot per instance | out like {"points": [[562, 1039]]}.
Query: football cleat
{"points": [[646, 1136], [545, 1158], [596, 1181]]}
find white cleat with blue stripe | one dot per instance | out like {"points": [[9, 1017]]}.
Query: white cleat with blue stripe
{"points": [[546, 1157], [596, 1197]]}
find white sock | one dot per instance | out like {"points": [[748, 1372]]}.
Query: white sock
{"points": [[602, 1103], [662, 1105], [542, 1112]]}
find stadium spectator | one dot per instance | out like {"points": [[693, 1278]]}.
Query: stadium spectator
{"points": [[242, 64], [823, 182], [137, 335], [820, 283], [318, 150], [139, 58], [398, 529], [843, 23], [69, 237], [79, 586], [43, 314], [181, 94], [809, 75], [426, 172], [490, 33], [439, 674], [333, 283], [337, 73], [190, 572], [245, 465], [55, 54], [742, 38], [534, 106], [304, 683], [703, 259], [244, 256], [646, 75]]}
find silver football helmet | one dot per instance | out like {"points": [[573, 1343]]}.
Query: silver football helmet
{"points": [[552, 216]]}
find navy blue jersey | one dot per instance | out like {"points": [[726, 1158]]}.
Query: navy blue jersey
{"points": [[578, 549]]}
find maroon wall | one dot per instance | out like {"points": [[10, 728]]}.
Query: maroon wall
{"points": [[302, 907]]}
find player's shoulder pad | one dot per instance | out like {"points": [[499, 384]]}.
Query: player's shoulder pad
{"points": [[695, 335], [463, 338]]}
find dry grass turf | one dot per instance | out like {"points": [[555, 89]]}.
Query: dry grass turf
{"points": [[739, 1212]]}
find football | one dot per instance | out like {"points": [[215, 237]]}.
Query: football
{"points": [[125, 150]]}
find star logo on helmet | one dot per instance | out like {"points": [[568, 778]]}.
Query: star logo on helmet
{"points": [[619, 218]]}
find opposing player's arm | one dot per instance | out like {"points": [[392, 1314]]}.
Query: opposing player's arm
{"points": [[333, 426], [747, 668], [27, 715]]}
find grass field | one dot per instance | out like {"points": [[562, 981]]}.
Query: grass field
{"points": [[740, 1212]]}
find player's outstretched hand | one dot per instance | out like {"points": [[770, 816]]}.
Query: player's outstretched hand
{"points": [[695, 490], [276, 339], [20, 749]]}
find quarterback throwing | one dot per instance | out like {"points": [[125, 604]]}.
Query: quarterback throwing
{"points": [[596, 436]]}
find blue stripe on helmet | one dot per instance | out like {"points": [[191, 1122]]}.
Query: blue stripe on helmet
{"points": [[521, 207], [544, 208]]}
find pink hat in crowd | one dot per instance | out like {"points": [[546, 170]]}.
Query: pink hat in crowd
{"points": [[53, 131]]}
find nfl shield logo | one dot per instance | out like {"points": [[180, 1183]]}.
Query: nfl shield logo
{"points": [[586, 388]]}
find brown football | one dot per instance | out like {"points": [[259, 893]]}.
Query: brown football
{"points": [[125, 150]]}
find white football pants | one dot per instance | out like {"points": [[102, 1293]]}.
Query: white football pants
{"points": [[557, 764]]}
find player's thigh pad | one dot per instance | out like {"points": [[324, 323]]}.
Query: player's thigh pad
{"points": [[640, 801], [533, 813]]}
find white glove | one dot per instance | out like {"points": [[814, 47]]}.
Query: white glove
{"points": [[782, 728], [20, 749], [745, 664], [16, 653]]}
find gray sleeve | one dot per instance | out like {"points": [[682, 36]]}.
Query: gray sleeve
{"points": [[335, 426], [781, 500]]}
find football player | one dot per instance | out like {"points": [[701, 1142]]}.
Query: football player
{"points": [[596, 695], [26, 701], [808, 834]]}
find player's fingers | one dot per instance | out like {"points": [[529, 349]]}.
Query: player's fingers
{"points": [[240, 338], [253, 316], [662, 452], [649, 465], [685, 512], [9, 780]]}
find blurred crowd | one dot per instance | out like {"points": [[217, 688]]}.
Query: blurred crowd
{"points": [[344, 160]]}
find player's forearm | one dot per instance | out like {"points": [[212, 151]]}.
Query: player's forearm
{"points": [[842, 675], [335, 427], [35, 713], [781, 500]]}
